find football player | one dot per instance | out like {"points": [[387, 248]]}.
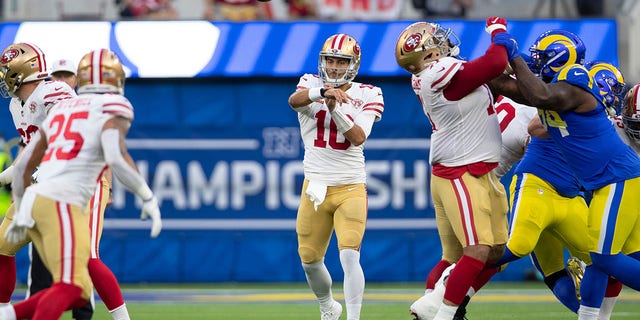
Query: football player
{"points": [[470, 202], [38, 277], [336, 116], [77, 140], [573, 113], [23, 71]]}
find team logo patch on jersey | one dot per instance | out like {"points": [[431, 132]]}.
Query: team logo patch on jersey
{"points": [[9, 55], [32, 107], [357, 103], [412, 42]]}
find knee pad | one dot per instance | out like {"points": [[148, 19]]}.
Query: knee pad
{"points": [[308, 255], [349, 240]]}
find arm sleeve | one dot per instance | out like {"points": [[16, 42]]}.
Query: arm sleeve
{"points": [[477, 72], [129, 177], [365, 121], [20, 166]]}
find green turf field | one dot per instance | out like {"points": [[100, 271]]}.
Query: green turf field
{"points": [[519, 301]]}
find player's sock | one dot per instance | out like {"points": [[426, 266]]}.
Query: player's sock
{"points": [[606, 309], [59, 298], [446, 312], [353, 282], [635, 255], [508, 256], [435, 274], [319, 281], [563, 288], [482, 279], [106, 284], [610, 297], [461, 278], [592, 287], [120, 313], [26, 308], [620, 266], [587, 313], [7, 278]]}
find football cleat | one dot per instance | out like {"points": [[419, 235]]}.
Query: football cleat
{"points": [[334, 312], [576, 271], [427, 306], [461, 313]]}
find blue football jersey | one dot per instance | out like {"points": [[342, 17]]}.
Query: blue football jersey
{"points": [[543, 159], [588, 140]]}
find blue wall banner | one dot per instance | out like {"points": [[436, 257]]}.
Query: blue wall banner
{"points": [[184, 49]]}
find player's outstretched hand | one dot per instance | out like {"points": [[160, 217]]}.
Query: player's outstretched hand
{"points": [[151, 210], [495, 25], [6, 176], [15, 233], [509, 42]]}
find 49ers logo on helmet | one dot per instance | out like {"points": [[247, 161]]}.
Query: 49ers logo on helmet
{"points": [[356, 49], [412, 42], [9, 55]]}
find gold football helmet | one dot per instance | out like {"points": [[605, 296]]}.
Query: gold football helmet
{"points": [[422, 42], [340, 46], [20, 63], [100, 71]]}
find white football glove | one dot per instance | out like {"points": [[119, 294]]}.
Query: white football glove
{"points": [[150, 209], [15, 233], [6, 176]]}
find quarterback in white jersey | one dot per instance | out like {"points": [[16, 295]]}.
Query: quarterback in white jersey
{"points": [[78, 139], [514, 119], [336, 116], [329, 157], [470, 203]]}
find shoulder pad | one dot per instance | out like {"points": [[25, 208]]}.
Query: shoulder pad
{"points": [[440, 73]]}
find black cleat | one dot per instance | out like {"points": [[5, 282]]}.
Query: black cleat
{"points": [[461, 313]]}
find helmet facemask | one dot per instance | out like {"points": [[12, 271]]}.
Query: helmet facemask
{"points": [[631, 114], [611, 83]]}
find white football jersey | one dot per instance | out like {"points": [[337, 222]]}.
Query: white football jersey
{"points": [[328, 156], [464, 131], [514, 121], [74, 161], [619, 125], [28, 116]]}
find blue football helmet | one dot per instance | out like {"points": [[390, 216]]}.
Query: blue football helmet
{"points": [[611, 83], [554, 50]]}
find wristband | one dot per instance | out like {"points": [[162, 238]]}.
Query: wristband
{"points": [[316, 94], [343, 123], [322, 91]]}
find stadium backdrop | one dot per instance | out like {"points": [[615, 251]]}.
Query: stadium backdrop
{"points": [[219, 145]]}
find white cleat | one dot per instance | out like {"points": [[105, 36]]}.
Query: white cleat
{"points": [[427, 306], [333, 313]]}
